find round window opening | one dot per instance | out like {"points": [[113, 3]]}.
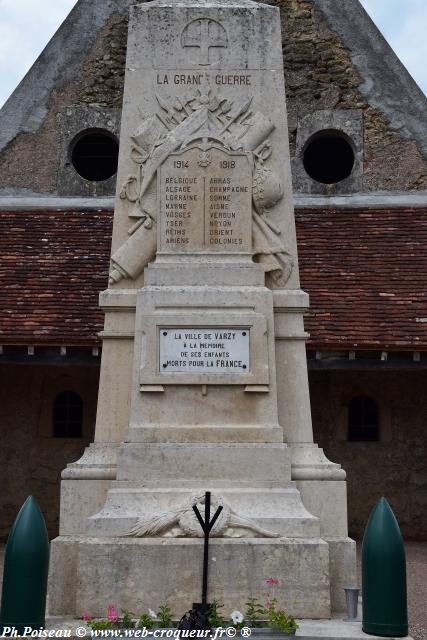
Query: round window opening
{"points": [[94, 155], [328, 157]]}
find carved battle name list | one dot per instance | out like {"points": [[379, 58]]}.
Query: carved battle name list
{"points": [[205, 197]]}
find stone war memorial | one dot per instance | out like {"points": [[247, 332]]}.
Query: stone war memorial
{"points": [[203, 378]]}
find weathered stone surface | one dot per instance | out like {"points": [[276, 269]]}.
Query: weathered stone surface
{"points": [[127, 572], [350, 123], [205, 200], [402, 410], [322, 72], [330, 62], [104, 67], [72, 121], [203, 158], [169, 95], [342, 570]]}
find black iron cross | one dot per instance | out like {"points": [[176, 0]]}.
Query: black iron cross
{"points": [[207, 525]]}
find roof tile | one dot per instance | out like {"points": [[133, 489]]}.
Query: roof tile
{"points": [[365, 271]]}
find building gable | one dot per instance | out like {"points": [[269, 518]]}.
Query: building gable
{"points": [[338, 69]]}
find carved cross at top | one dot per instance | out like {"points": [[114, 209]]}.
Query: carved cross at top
{"points": [[204, 34]]}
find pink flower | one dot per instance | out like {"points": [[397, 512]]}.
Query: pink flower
{"points": [[268, 605], [112, 613], [272, 581], [86, 616]]}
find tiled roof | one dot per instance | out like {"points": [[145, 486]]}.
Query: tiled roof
{"points": [[53, 265], [365, 271]]}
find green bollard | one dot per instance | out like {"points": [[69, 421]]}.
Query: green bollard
{"points": [[26, 564], [385, 611]]}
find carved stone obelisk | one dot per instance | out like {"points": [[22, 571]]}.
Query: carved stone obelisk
{"points": [[203, 378]]}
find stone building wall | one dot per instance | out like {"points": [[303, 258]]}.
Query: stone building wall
{"points": [[32, 460], [105, 66], [99, 86], [395, 466], [320, 77]]}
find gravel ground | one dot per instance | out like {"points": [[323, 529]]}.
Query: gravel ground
{"points": [[416, 559], [416, 564]]}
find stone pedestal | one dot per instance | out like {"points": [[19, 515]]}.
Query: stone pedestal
{"points": [[143, 573], [203, 377]]}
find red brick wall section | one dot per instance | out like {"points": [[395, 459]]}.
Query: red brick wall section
{"points": [[53, 265], [365, 271]]}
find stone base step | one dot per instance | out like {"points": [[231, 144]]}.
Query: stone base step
{"points": [[334, 629], [278, 510], [88, 573]]}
